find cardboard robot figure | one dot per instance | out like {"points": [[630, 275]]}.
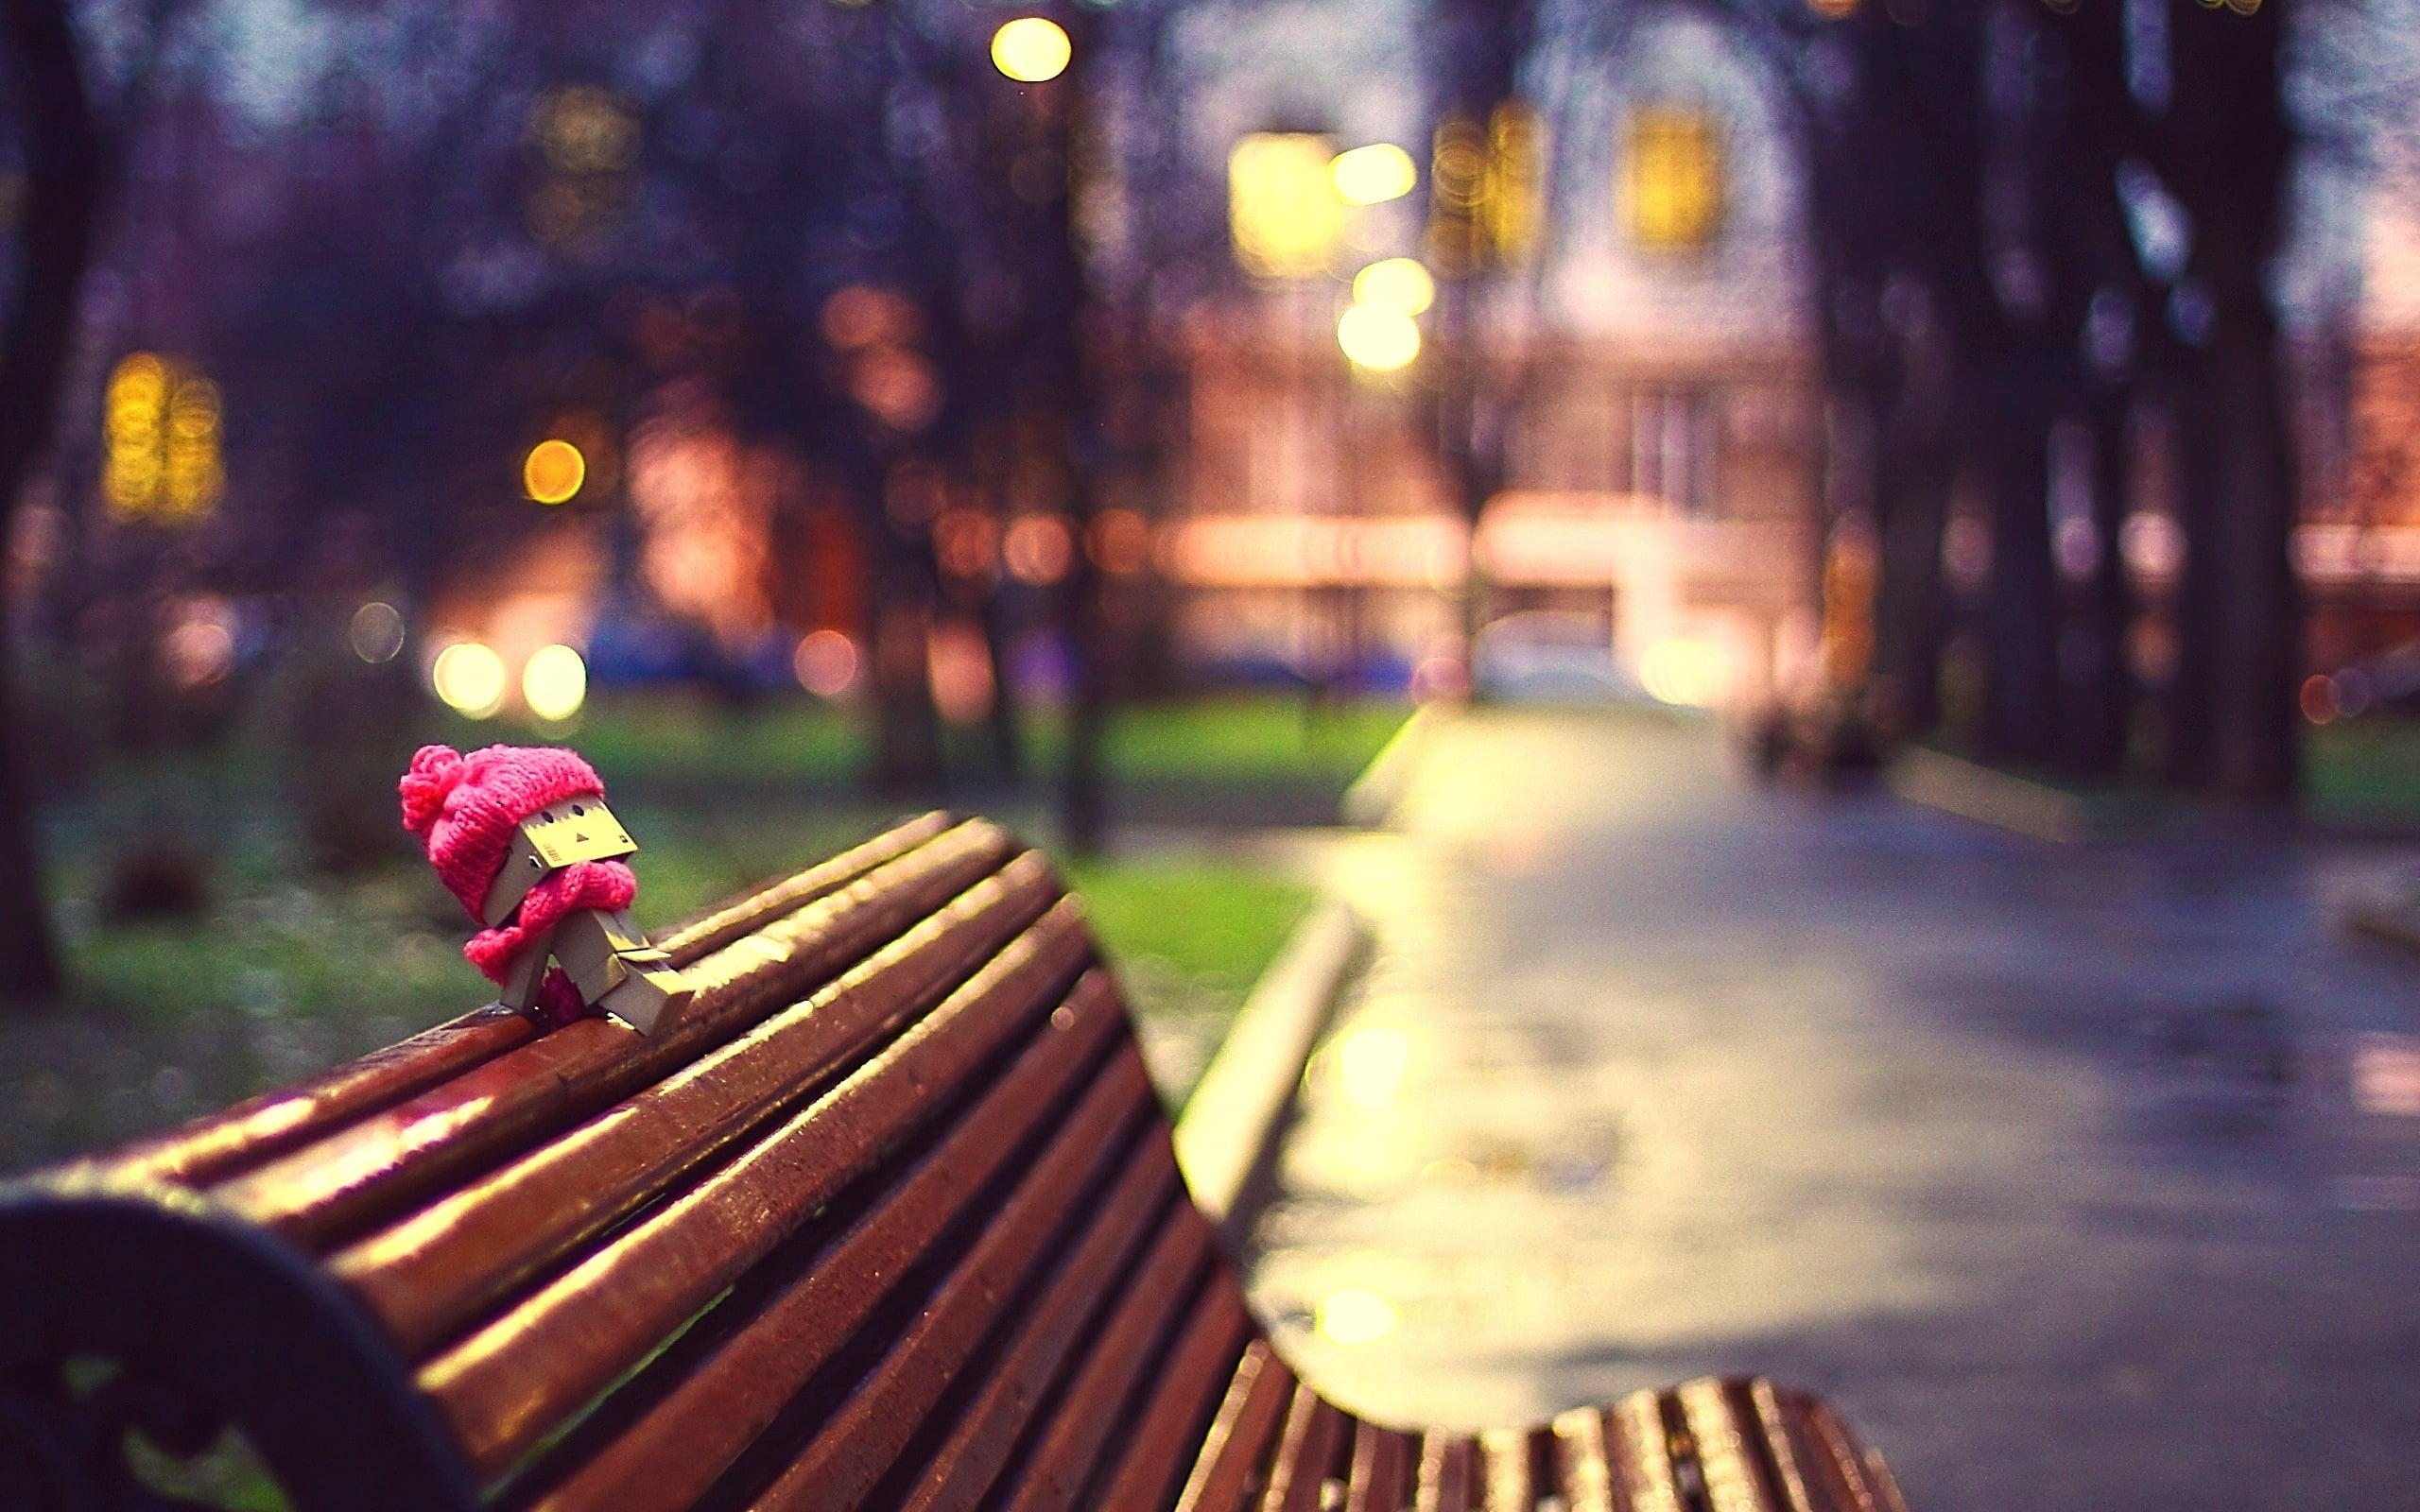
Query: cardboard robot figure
{"points": [[521, 834]]}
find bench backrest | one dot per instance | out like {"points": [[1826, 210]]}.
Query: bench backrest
{"points": [[892, 1219]]}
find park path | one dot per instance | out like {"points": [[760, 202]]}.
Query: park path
{"points": [[2082, 1176]]}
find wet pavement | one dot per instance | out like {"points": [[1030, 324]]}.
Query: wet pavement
{"points": [[2081, 1176]]}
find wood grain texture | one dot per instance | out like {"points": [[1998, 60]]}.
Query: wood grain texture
{"points": [[1448, 1468], [725, 1390], [1306, 1450], [509, 1381], [1581, 1464], [433, 1273], [1067, 1444], [1241, 1435], [1172, 1423], [376, 1169], [1381, 1473], [861, 1441]]}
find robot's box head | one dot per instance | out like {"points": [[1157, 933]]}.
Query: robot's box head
{"points": [[580, 828]]}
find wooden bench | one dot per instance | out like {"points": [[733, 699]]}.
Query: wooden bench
{"points": [[890, 1220]]}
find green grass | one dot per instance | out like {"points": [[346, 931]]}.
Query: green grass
{"points": [[2364, 771], [1218, 921], [673, 737]]}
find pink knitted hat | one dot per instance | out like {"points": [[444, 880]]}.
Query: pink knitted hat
{"points": [[466, 808]]}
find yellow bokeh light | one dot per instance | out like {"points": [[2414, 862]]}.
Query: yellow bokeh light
{"points": [[1353, 1315], [1377, 337], [553, 471], [1679, 670], [1673, 188], [1370, 1064], [1032, 49], [160, 440], [1397, 284], [468, 678], [1282, 205], [554, 682], [1375, 174]]}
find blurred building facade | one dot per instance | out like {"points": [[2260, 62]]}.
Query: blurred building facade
{"points": [[1649, 351]]}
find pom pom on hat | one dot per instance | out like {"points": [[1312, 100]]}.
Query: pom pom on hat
{"points": [[465, 809]]}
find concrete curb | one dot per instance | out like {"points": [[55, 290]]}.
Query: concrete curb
{"points": [[1988, 797], [1372, 798], [1228, 1136]]}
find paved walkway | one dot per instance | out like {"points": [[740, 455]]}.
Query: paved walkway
{"points": [[2085, 1177]]}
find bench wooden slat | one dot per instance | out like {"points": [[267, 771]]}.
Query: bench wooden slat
{"points": [[434, 1272], [1504, 1471], [1778, 1435], [672, 1450], [258, 1130], [1853, 1485], [1644, 1456], [860, 1442], [1448, 1468], [375, 1170], [1097, 1284], [1243, 1434], [1732, 1482], [1070, 1441], [214, 1148], [1581, 1463], [1315, 1432], [509, 1382], [1380, 1477], [1169, 1427]]}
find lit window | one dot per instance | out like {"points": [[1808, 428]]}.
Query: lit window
{"points": [[1673, 179], [1281, 204]]}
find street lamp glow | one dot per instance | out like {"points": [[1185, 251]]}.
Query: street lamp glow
{"points": [[553, 471], [1032, 49], [1373, 175], [468, 678], [1379, 337], [1398, 283], [554, 683]]}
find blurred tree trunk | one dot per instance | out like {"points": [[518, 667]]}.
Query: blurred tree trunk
{"points": [[1478, 45], [2226, 150], [2021, 610], [63, 187]]}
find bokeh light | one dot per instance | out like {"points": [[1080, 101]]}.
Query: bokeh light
{"points": [[1355, 1315], [468, 678], [1680, 670], [1119, 542], [1377, 337], [1282, 206], [553, 471], [376, 634], [826, 663], [1039, 549], [1032, 49], [554, 682], [1397, 283], [1370, 1065], [1375, 174], [160, 440], [199, 649]]}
